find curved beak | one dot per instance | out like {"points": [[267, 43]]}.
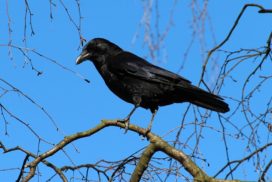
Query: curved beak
{"points": [[82, 57]]}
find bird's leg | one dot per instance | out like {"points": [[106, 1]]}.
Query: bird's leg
{"points": [[129, 115], [154, 112], [137, 100], [127, 119]]}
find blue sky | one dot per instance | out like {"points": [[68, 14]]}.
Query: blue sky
{"points": [[76, 105]]}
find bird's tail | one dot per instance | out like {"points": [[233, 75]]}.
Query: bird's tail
{"points": [[205, 99]]}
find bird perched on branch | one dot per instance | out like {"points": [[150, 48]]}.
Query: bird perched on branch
{"points": [[143, 84]]}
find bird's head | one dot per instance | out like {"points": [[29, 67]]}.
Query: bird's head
{"points": [[98, 49]]}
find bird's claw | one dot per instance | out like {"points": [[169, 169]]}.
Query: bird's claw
{"points": [[126, 122], [126, 126], [147, 130]]}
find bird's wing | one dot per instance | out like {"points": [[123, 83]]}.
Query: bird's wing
{"points": [[128, 64]]}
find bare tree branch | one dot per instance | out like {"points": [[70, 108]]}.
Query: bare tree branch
{"points": [[240, 161], [28, 153], [158, 144], [262, 10], [22, 168]]}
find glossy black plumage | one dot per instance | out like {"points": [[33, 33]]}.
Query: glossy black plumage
{"points": [[141, 83]]}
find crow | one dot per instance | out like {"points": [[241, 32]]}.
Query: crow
{"points": [[143, 84]]}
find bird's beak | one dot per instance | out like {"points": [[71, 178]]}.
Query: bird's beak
{"points": [[82, 57]]}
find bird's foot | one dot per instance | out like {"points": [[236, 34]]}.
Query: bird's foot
{"points": [[144, 135], [147, 130], [126, 122]]}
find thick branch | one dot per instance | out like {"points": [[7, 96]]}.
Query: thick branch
{"points": [[143, 162], [188, 164], [157, 144], [22, 168]]}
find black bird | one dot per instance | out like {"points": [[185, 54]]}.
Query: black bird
{"points": [[143, 84]]}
